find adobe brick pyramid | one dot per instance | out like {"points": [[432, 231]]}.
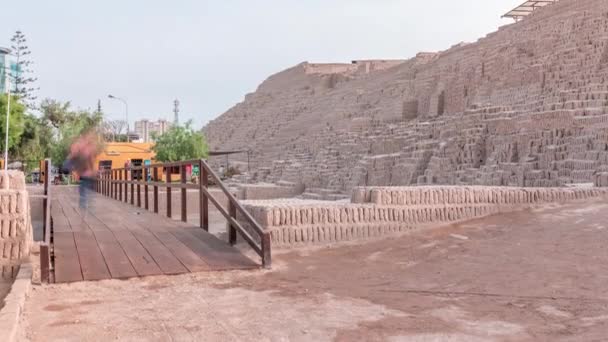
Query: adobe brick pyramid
{"points": [[524, 106]]}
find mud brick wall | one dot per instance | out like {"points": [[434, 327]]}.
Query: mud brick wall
{"points": [[526, 105], [381, 211], [15, 224]]}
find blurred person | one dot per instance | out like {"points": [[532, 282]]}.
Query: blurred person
{"points": [[81, 159]]}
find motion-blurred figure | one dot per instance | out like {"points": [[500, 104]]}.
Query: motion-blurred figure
{"points": [[82, 158]]}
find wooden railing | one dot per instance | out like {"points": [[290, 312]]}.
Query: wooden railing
{"points": [[45, 252], [126, 185]]}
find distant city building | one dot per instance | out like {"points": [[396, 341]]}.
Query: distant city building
{"points": [[146, 129], [6, 64]]}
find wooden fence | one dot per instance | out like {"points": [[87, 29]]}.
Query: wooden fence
{"points": [[45, 250], [127, 185]]}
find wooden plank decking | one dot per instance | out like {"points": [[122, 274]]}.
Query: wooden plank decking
{"points": [[114, 240]]}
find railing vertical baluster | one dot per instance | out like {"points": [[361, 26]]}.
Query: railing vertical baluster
{"points": [[119, 185], [45, 263], [266, 250], [168, 181], [45, 257], [131, 178], [184, 199], [126, 185], [139, 174], [145, 173], [231, 228], [114, 185], [46, 202], [203, 200], [155, 194]]}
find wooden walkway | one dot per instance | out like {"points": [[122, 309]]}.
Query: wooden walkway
{"points": [[115, 240]]}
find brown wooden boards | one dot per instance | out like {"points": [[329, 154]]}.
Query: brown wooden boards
{"points": [[67, 265], [117, 261], [116, 240], [92, 263], [142, 261]]}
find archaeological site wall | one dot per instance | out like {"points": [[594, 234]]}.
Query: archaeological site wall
{"points": [[525, 106], [380, 211], [15, 224]]}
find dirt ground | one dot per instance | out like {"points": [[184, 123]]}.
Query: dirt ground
{"points": [[537, 275], [5, 287]]}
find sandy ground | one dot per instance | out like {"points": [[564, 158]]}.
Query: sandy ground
{"points": [[537, 275]]}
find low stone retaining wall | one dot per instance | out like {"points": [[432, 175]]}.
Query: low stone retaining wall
{"points": [[15, 224], [10, 315], [378, 211]]}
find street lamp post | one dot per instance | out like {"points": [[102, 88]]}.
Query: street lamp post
{"points": [[8, 115], [7, 83], [126, 111]]}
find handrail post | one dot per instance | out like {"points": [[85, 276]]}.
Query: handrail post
{"points": [[126, 175], [266, 250], [231, 228], [184, 197], [116, 183], [45, 263], [131, 178], [168, 191], [155, 193], [119, 185], [203, 200], [145, 173], [111, 182], [139, 174], [45, 258], [46, 202]]}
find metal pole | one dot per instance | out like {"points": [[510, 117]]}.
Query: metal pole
{"points": [[8, 113]]}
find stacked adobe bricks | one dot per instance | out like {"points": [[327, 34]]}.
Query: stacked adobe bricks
{"points": [[15, 223], [524, 106], [379, 211]]}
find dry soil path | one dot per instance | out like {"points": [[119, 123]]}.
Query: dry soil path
{"points": [[537, 275]]}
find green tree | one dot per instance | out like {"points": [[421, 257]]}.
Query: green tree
{"points": [[55, 112], [67, 125], [23, 79], [180, 143], [15, 121], [35, 143]]}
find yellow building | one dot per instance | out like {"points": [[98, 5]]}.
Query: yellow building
{"points": [[116, 155], [119, 154]]}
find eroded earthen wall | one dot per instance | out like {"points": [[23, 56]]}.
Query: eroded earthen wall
{"points": [[524, 106], [380, 211], [15, 223]]}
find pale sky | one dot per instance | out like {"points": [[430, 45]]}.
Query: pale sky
{"points": [[209, 54]]}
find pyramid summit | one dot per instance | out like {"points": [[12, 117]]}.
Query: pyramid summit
{"points": [[526, 105]]}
